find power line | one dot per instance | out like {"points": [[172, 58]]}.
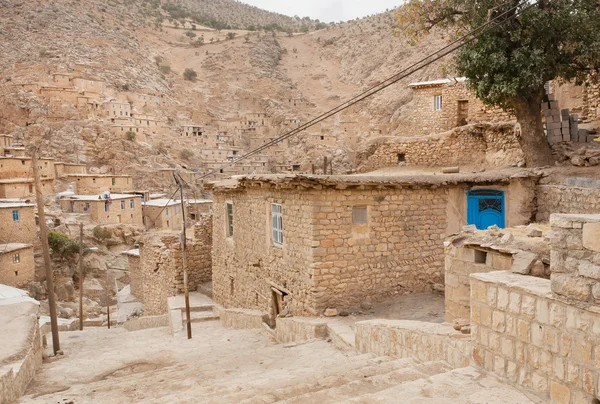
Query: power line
{"points": [[442, 52]]}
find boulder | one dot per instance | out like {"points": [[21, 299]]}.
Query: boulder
{"points": [[331, 312]]}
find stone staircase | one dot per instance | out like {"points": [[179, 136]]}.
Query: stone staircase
{"points": [[367, 379], [201, 309]]}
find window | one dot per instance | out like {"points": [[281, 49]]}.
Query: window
{"points": [[401, 158], [166, 211], [106, 206], [277, 224], [359, 215], [122, 205], [114, 181], [437, 102], [87, 206], [480, 257], [17, 258], [229, 219], [16, 216], [131, 204]]}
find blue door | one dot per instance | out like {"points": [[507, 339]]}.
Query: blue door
{"points": [[485, 207]]}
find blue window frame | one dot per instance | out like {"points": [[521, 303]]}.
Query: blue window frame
{"points": [[16, 216], [485, 208]]}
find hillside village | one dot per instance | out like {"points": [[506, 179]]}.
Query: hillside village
{"points": [[208, 242]]}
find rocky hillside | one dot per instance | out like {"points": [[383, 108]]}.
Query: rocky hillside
{"points": [[137, 45]]}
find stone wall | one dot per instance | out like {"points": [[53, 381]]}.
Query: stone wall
{"points": [[160, 272], [488, 145], [418, 340], [136, 280], [298, 329], [460, 264], [240, 318], [24, 231], [522, 332], [16, 274], [575, 257], [566, 199]]}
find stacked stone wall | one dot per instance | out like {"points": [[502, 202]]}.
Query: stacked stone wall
{"points": [[575, 258], [460, 264], [522, 332], [474, 145], [566, 199], [135, 276], [161, 267]]}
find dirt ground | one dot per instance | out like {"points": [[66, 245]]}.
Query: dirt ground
{"points": [[150, 366]]}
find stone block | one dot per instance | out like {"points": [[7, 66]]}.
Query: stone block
{"points": [[560, 393], [591, 236], [523, 261], [575, 288], [589, 270]]}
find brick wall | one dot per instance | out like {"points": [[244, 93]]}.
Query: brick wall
{"points": [[575, 257], [490, 145], [522, 332], [566, 199]]}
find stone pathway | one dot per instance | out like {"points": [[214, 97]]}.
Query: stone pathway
{"points": [[231, 366]]}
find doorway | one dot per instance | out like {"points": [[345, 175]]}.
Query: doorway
{"points": [[463, 112], [485, 207]]}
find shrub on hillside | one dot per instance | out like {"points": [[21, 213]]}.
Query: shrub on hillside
{"points": [[190, 74], [100, 233], [186, 154], [164, 68], [62, 246], [130, 135]]}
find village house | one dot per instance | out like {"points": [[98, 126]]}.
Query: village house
{"points": [[94, 184], [17, 222], [346, 239], [118, 108], [124, 132], [20, 167], [89, 85], [61, 169], [197, 207], [191, 130], [162, 214], [5, 143], [17, 267], [440, 105], [106, 209], [24, 187]]}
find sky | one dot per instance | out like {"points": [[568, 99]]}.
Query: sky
{"points": [[326, 10]]}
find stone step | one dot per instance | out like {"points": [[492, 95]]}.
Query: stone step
{"points": [[204, 307], [355, 369], [370, 384], [200, 316], [460, 386]]}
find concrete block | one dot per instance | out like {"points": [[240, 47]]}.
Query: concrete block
{"points": [[550, 97], [553, 125], [553, 104], [591, 138], [544, 106], [565, 113], [591, 236]]}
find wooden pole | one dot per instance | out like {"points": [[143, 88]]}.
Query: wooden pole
{"points": [[186, 289], [107, 298], [46, 250], [80, 276]]}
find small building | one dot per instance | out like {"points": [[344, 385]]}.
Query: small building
{"points": [[5, 143], [17, 222], [17, 266], [191, 130], [118, 108], [197, 207], [20, 167], [89, 85], [94, 184], [135, 277], [107, 208], [24, 187], [162, 214], [440, 105], [315, 242], [61, 169]]}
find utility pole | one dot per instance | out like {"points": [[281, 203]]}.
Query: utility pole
{"points": [[186, 289], [46, 250], [107, 298], [81, 276]]}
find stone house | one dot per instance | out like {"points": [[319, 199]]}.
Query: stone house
{"points": [[17, 266], [117, 108], [117, 209], [314, 242], [89, 85], [191, 130], [198, 207], [24, 187], [440, 105], [61, 169], [162, 214], [20, 167], [5, 143], [122, 130], [94, 184], [17, 222]]}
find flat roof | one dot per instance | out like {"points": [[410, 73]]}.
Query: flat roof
{"points": [[161, 202], [24, 158], [8, 205], [10, 295], [70, 164], [99, 198], [198, 200], [392, 180], [10, 247], [99, 175], [437, 82]]}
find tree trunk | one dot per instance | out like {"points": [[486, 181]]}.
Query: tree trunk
{"points": [[533, 141]]}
